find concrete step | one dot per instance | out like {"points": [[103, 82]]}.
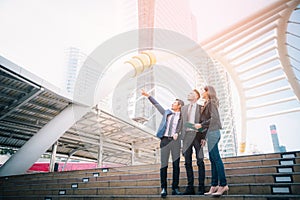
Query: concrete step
{"points": [[235, 189], [264, 166], [232, 179], [155, 197], [239, 171], [230, 162], [265, 176]]}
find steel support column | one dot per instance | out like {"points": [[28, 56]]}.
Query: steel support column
{"points": [[53, 156]]}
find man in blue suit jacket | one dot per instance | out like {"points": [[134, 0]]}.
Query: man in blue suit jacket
{"points": [[168, 132]]}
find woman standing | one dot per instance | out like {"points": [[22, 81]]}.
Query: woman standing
{"points": [[210, 122]]}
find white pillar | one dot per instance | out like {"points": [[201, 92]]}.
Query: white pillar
{"points": [[100, 153], [132, 153], [53, 156]]}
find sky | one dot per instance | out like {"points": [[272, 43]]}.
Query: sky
{"points": [[35, 31], [36, 34], [215, 16]]}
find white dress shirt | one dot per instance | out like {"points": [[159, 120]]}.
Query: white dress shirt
{"points": [[174, 125]]}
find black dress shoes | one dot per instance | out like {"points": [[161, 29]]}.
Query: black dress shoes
{"points": [[189, 191], [200, 193], [200, 190], [176, 192], [163, 193]]}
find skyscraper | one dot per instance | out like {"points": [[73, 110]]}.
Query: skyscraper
{"points": [[219, 78], [275, 140], [74, 61], [158, 14], [165, 15]]}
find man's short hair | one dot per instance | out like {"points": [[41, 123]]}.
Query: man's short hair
{"points": [[180, 102]]}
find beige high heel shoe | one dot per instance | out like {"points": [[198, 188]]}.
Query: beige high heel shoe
{"points": [[212, 189], [221, 190]]}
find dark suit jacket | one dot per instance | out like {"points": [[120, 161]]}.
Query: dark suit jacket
{"points": [[210, 118], [189, 138]]}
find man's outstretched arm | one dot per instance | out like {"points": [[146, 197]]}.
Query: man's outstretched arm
{"points": [[154, 102]]}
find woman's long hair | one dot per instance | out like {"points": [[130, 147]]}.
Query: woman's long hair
{"points": [[212, 95]]}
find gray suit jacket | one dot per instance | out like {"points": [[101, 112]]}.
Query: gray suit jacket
{"points": [[188, 138]]}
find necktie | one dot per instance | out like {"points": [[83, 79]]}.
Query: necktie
{"points": [[171, 125], [190, 112]]}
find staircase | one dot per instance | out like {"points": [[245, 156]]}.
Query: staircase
{"points": [[261, 177]]}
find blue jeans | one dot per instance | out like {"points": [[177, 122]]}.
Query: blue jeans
{"points": [[217, 166]]}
